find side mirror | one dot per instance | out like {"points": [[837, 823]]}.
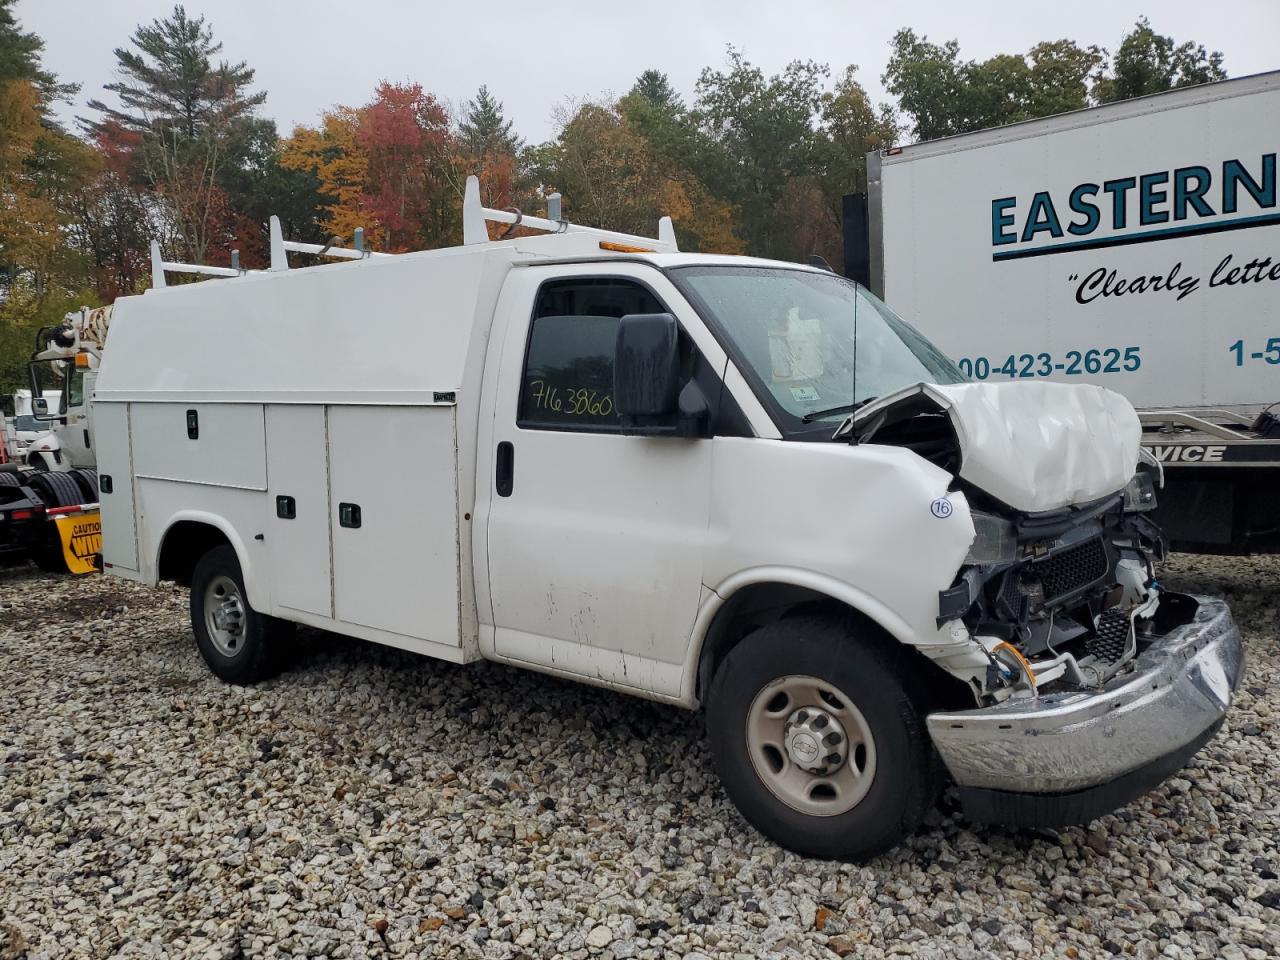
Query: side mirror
{"points": [[40, 406], [646, 373]]}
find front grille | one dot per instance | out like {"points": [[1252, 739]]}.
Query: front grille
{"points": [[1072, 569], [1014, 598], [1111, 640]]}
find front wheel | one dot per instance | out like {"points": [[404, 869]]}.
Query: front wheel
{"points": [[239, 644], [817, 742]]}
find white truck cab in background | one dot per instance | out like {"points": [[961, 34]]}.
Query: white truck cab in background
{"points": [[64, 371], [31, 440], [704, 480]]}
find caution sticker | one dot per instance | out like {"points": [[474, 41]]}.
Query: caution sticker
{"points": [[81, 537]]}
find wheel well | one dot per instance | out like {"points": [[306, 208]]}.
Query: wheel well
{"points": [[760, 604], [183, 546]]}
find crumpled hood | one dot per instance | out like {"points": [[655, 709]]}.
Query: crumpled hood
{"points": [[1033, 445]]}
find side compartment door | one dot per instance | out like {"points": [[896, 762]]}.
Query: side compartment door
{"points": [[115, 470], [298, 508], [393, 510]]}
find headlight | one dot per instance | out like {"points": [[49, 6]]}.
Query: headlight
{"points": [[995, 540], [1140, 494]]}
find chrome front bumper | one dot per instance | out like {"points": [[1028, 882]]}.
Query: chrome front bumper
{"points": [[1098, 749]]}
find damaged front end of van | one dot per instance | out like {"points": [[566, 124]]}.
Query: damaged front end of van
{"points": [[1092, 683]]}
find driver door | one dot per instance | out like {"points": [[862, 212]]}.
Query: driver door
{"points": [[76, 434], [595, 540]]}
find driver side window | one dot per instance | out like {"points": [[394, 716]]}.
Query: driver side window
{"points": [[75, 391], [567, 383]]}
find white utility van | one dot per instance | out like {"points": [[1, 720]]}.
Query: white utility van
{"points": [[705, 480]]}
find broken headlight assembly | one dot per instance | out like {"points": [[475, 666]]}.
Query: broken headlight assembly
{"points": [[1140, 494], [995, 540]]}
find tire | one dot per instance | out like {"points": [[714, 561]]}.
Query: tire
{"points": [[10, 479], [86, 479], [55, 489], [252, 646], [856, 683]]}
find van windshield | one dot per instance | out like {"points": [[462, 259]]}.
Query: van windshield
{"points": [[793, 333]]}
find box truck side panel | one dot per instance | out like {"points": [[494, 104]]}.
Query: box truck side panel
{"points": [[297, 525], [393, 513], [1141, 253]]}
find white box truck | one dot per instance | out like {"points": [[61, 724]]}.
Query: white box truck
{"points": [[652, 471], [1134, 245]]}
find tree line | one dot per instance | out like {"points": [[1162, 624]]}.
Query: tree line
{"points": [[179, 148]]}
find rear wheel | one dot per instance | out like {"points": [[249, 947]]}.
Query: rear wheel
{"points": [[817, 742], [239, 644], [55, 489], [86, 479]]}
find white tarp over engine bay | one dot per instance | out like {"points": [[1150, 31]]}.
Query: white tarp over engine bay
{"points": [[1034, 446]]}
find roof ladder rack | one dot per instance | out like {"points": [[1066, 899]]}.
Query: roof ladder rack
{"points": [[476, 216], [280, 248], [159, 265]]}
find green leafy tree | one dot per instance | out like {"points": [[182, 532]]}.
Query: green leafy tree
{"points": [[945, 96], [851, 128], [767, 129], [612, 175], [1148, 62], [1060, 72], [40, 165], [258, 186]]}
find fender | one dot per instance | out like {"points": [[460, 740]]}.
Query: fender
{"points": [[255, 582], [851, 596]]}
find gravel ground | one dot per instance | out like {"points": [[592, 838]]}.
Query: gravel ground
{"points": [[371, 803]]}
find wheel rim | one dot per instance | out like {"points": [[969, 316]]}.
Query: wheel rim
{"points": [[224, 615], [810, 746]]}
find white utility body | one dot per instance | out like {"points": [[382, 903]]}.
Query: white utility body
{"points": [[1132, 245], [608, 460]]}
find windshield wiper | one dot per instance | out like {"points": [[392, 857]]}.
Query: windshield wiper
{"points": [[832, 411]]}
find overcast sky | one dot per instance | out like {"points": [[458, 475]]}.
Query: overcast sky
{"points": [[312, 54]]}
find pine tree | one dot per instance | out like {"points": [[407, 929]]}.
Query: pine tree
{"points": [[654, 86], [20, 59], [170, 82], [484, 129], [193, 118]]}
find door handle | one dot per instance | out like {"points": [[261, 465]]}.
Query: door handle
{"points": [[504, 472], [349, 515]]}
